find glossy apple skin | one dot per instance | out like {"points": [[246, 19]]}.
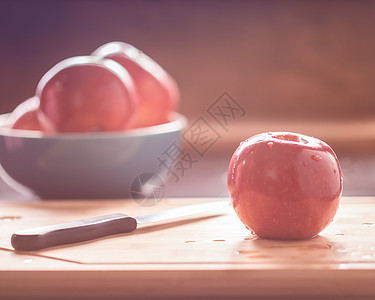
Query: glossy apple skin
{"points": [[25, 115], [87, 94], [285, 185], [157, 90]]}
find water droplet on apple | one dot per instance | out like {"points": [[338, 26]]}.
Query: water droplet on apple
{"points": [[316, 157], [334, 171], [304, 164], [270, 144]]}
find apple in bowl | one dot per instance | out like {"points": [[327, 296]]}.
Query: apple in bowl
{"points": [[77, 139], [86, 94], [25, 115], [285, 185], [157, 91]]}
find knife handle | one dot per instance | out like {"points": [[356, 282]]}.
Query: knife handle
{"points": [[72, 232]]}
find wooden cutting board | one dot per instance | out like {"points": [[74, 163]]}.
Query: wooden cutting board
{"points": [[210, 255]]}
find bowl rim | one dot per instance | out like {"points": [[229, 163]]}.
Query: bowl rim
{"points": [[178, 123]]}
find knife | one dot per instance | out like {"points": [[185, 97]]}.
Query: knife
{"points": [[93, 228]]}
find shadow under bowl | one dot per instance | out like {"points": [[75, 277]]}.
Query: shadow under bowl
{"points": [[87, 165]]}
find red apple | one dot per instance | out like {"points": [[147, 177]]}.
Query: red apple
{"points": [[85, 94], [157, 90], [285, 185], [24, 116]]}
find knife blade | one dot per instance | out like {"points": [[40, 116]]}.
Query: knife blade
{"points": [[92, 228]]}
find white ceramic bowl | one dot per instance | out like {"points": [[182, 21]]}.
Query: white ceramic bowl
{"points": [[80, 165]]}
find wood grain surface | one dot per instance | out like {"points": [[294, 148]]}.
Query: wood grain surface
{"points": [[210, 255]]}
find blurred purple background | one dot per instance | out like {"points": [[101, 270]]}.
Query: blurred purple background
{"points": [[280, 59]]}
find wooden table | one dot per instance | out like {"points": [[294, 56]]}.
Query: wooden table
{"points": [[211, 255]]}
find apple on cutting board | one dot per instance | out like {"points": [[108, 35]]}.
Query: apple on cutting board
{"points": [[285, 185]]}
